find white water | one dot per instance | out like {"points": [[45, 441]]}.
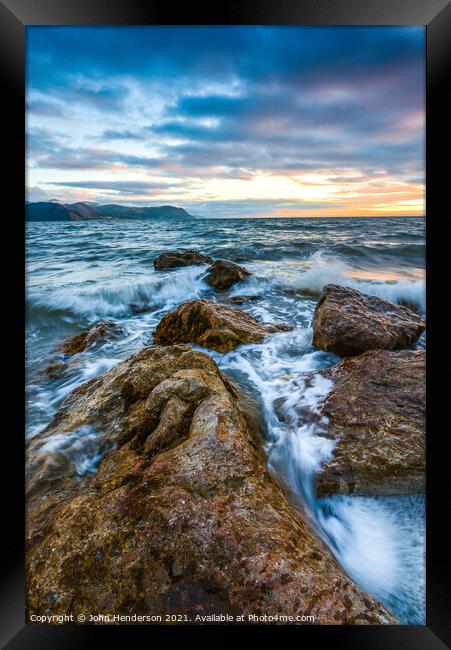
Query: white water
{"points": [[80, 447], [378, 541], [114, 298], [327, 269]]}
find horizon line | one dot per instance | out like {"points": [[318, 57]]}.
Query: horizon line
{"points": [[241, 216]]}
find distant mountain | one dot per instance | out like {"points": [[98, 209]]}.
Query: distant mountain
{"points": [[85, 210], [53, 211], [114, 210]]}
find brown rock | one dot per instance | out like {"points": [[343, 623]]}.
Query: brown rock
{"points": [[182, 516], [222, 274], [98, 333], [174, 259], [376, 412], [140, 309], [56, 370], [239, 300], [347, 322], [212, 325]]}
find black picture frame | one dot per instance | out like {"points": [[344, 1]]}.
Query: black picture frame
{"points": [[15, 16]]}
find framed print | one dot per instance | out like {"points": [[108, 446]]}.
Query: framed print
{"points": [[231, 245]]}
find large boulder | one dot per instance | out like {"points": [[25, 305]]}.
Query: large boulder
{"points": [[223, 274], [181, 518], [375, 411], [99, 333], [212, 325], [174, 259], [348, 322]]}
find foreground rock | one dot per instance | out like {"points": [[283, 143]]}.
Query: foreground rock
{"points": [[211, 325], [223, 274], [347, 322], [99, 333], [376, 413], [175, 259], [182, 516]]}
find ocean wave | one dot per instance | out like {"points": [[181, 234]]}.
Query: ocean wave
{"points": [[328, 269], [115, 299], [360, 250]]}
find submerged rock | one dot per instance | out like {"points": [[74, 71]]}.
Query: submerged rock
{"points": [[174, 259], [140, 309], [239, 300], [55, 370], [98, 333], [211, 325], [376, 413], [182, 516], [348, 322], [223, 274]]}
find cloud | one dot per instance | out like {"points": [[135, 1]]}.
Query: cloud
{"points": [[111, 134], [207, 104], [51, 155], [45, 108], [121, 187], [36, 194]]}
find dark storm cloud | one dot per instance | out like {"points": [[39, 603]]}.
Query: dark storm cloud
{"points": [[46, 150], [257, 53], [122, 187], [45, 108], [111, 134]]}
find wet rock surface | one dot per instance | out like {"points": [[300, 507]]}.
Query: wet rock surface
{"points": [[212, 325], [55, 370], [376, 413], [98, 333], [347, 322], [223, 274], [239, 300], [175, 259], [140, 309], [181, 516]]}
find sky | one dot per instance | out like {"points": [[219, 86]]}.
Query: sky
{"points": [[229, 121]]}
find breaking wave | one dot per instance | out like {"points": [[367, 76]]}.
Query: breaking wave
{"points": [[116, 299], [327, 269]]}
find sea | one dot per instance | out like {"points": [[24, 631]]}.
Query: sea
{"points": [[78, 273]]}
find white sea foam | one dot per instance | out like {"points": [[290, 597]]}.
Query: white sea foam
{"points": [[327, 269], [380, 543], [276, 369], [79, 447], [369, 538], [114, 299]]}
